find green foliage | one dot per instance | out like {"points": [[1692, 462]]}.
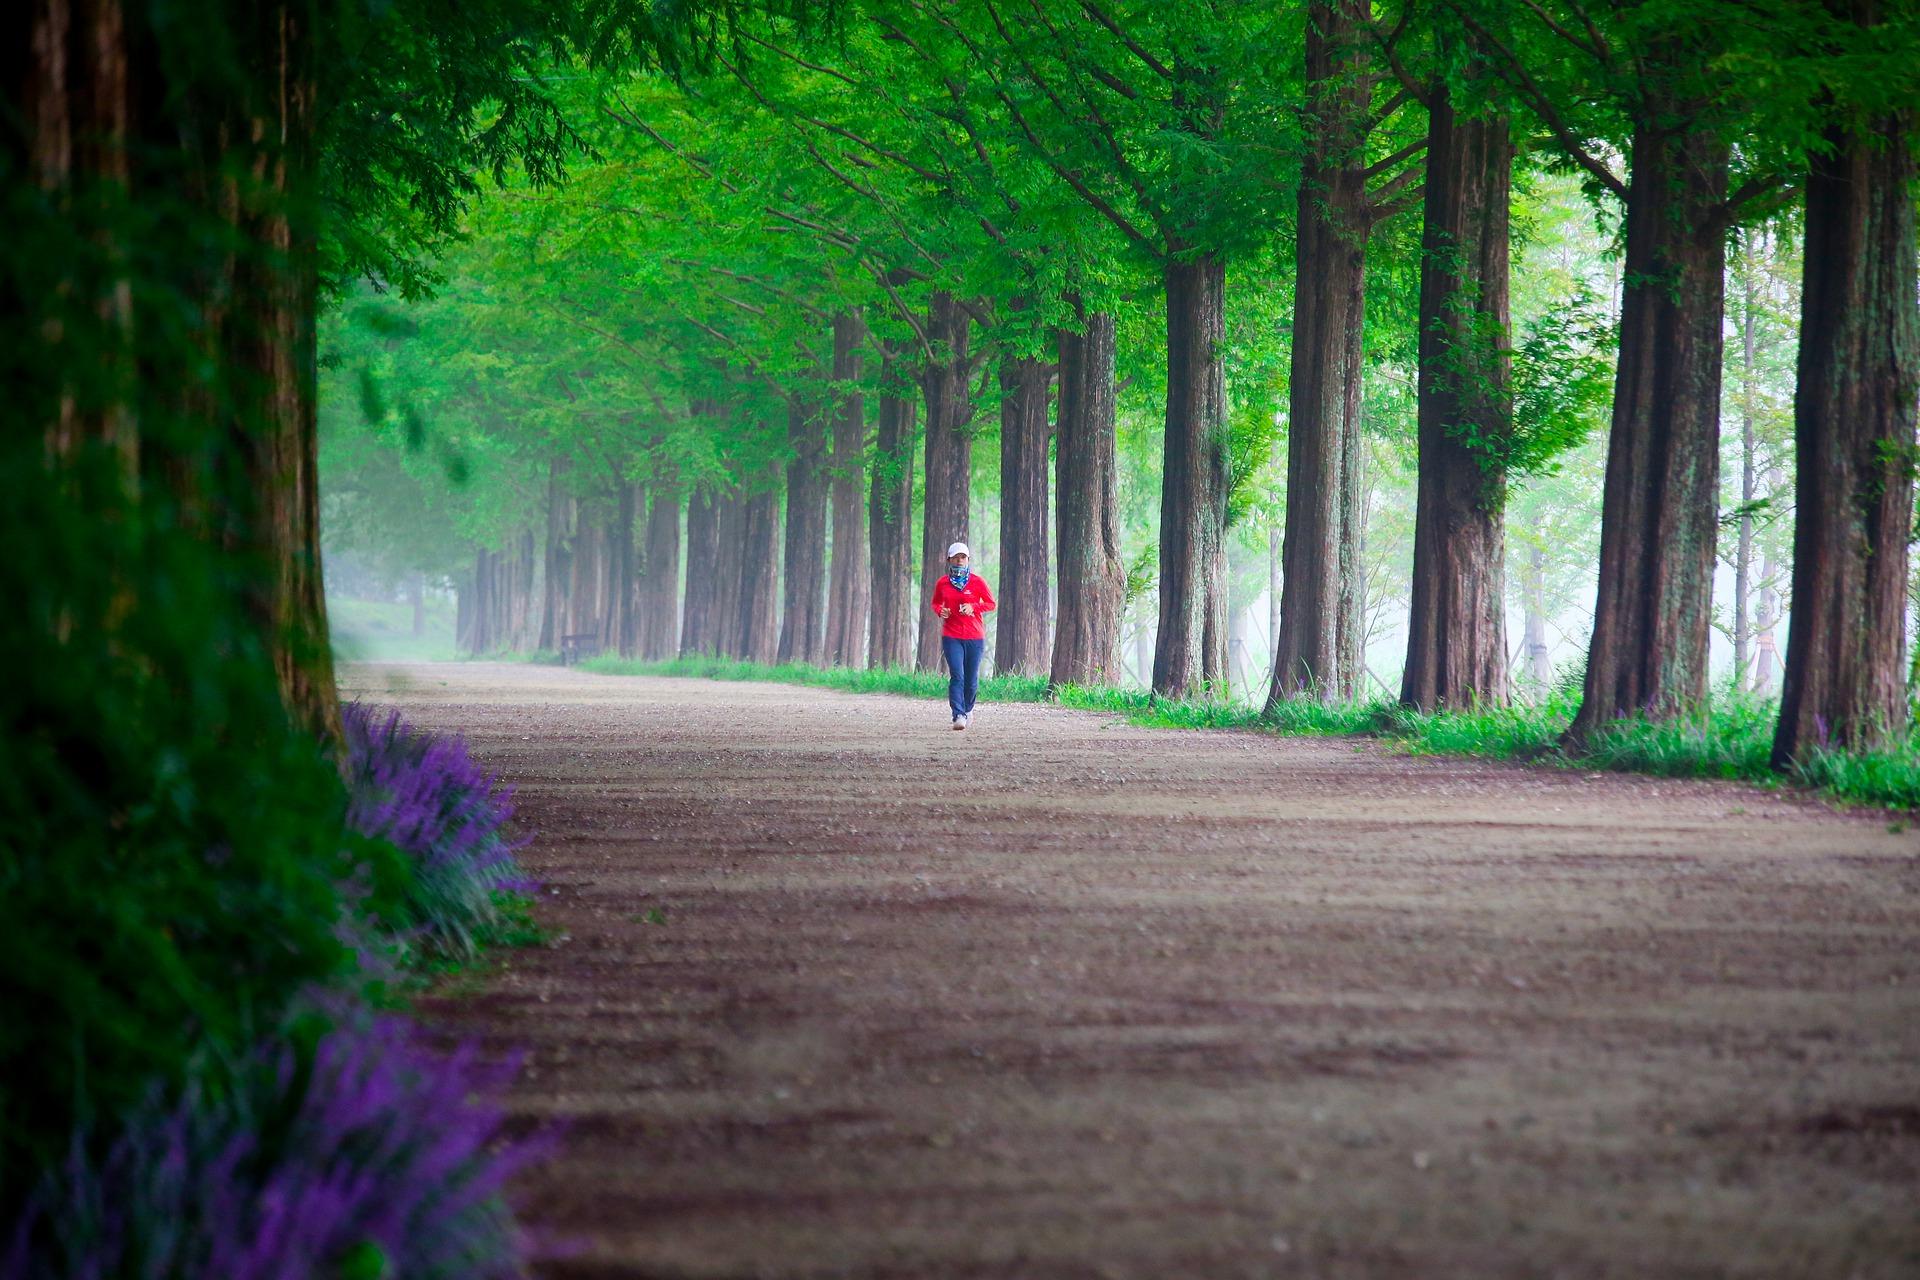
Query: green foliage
{"points": [[1562, 384]]}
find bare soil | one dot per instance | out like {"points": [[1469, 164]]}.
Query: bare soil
{"points": [[836, 991]]}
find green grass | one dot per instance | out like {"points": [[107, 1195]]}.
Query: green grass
{"points": [[382, 631], [1731, 739]]}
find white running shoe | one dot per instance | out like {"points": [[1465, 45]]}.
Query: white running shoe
{"points": [[959, 722]]}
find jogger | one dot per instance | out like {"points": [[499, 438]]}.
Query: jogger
{"points": [[961, 599]]}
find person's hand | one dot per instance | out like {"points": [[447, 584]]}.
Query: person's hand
{"points": [[966, 610], [948, 613]]}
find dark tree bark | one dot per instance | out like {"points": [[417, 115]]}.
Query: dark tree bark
{"points": [[559, 555], [1456, 642], [1654, 607], [657, 621], [584, 579], [803, 597], [1320, 547], [758, 619], [943, 385], [1093, 574], [515, 598], [700, 626], [890, 524], [1853, 426], [1190, 650], [268, 335], [849, 578], [730, 515], [471, 631], [620, 631], [1020, 636]]}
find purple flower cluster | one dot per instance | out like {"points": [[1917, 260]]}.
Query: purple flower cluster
{"points": [[366, 1157], [424, 793]]}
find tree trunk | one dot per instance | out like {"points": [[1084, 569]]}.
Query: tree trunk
{"points": [[554, 569], [730, 516], [582, 612], [621, 629], [1190, 649], [515, 600], [1853, 426], [1020, 634], [475, 608], [1536, 593], [890, 525], [700, 627], [269, 337], [803, 598], [1653, 612], [657, 623], [1319, 552], [849, 577], [417, 597], [758, 628], [943, 385], [1093, 575], [1456, 641]]}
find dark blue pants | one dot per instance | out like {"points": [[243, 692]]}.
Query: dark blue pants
{"points": [[963, 672]]}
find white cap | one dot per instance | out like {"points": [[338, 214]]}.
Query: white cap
{"points": [[959, 549]]}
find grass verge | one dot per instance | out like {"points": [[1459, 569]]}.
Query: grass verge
{"points": [[1731, 739]]}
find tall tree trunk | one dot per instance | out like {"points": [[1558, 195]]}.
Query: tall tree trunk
{"points": [[476, 608], [1020, 635], [730, 513], [1350, 642], [1653, 611], [1535, 587], [700, 627], [890, 524], [849, 582], [943, 385], [553, 570], [518, 618], [1093, 575], [1456, 632], [657, 624], [417, 597], [1190, 649], [269, 337], [1319, 552], [803, 598], [582, 612], [758, 628], [621, 631], [1853, 426]]}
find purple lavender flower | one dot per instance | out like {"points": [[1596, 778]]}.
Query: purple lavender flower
{"points": [[424, 793], [370, 1156]]}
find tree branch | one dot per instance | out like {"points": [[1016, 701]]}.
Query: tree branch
{"points": [[1379, 167], [1133, 46]]}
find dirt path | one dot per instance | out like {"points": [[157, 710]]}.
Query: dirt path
{"points": [[843, 993]]}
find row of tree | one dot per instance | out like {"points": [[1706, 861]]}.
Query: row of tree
{"points": [[965, 197]]}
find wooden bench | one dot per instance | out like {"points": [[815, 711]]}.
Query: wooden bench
{"points": [[574, 648]]}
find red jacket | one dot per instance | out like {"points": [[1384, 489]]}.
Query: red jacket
{"points": [[959, 625]]}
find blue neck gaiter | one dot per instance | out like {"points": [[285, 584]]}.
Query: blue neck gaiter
{"points": [[958, 577]]}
